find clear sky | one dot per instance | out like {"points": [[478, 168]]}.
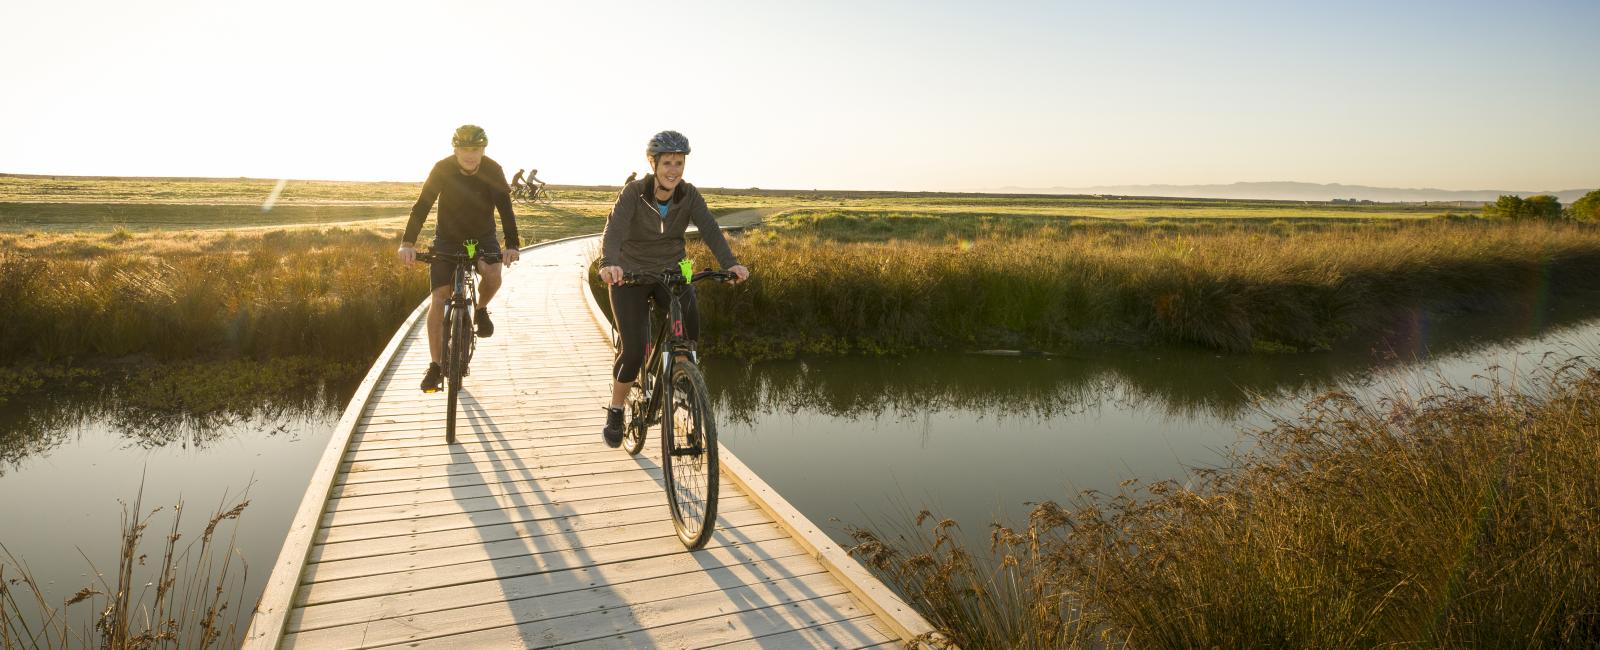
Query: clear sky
{"points": [[850, 95]]}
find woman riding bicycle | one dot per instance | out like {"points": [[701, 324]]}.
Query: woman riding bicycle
{"points": [[645, 234]]}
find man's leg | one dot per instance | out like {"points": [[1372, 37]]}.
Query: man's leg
{"points": [[487, 286], [441, 295], [434, 378], [490, 283]]}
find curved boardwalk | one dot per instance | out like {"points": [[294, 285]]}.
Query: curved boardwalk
{"points": [[531, 532]]}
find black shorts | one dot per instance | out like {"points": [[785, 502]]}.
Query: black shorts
{"points": [[443, 273]]}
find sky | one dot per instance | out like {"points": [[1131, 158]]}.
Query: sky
{"points": [[880, 94]]}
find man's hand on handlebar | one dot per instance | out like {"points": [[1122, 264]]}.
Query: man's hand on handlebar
{"points": [[509, 256], [407, 253], [611, 275]]}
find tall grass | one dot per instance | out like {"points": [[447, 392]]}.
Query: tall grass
{"points": [[1459, 518], [191, 597], [331, 294], [907, 282]]}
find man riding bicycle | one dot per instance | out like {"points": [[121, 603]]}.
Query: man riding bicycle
{"points": [[468, 186], [644, 233]]}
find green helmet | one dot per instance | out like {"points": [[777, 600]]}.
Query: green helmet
{"points": [[470, 135]]}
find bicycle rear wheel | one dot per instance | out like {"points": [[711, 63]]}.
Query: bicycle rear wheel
{"points": [[458, 342], [689, 455]]}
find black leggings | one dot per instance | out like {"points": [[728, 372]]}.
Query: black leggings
{"points": [[630, 305]]}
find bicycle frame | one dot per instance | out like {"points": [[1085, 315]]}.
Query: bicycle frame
{"points": [[663, 351]]}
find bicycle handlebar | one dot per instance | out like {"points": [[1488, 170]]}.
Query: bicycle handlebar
{"points": [[674, 277], [422, 256]]}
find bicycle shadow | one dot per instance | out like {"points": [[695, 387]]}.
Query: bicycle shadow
{"points": [[759, 595]]}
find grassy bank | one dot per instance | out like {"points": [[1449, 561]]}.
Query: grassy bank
{"points": [[842, 282], [1455, 519], [331, 294]]}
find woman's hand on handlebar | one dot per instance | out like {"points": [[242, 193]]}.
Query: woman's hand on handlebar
{"points": [[509, 256], [740, 271], [407, 253], [611, 275]]}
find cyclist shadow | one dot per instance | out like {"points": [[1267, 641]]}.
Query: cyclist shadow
{"points": [[753, 566], [536, 549]]}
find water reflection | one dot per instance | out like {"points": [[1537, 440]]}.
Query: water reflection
{"points": [[976, 438], [1175, 383], [35, 425]]}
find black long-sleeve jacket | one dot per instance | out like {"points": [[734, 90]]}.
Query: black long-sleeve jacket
{"points": [[466, 203]]}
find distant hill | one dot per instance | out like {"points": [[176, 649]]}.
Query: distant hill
{"points": [[1292, 191]]}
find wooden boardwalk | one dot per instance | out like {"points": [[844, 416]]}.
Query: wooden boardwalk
{"points": [[531, 532]]}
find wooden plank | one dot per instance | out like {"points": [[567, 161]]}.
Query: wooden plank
{"points": [[352, 504], [470, 505], [531, 470], [368, 495], [577, 540], [515, 514], [419, 627], [580, 441], [851, 634], [531, 563], [703, 618], [460, 481], [745, 615], [529, 454], [732, 510]]}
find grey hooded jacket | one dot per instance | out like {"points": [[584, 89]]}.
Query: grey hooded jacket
{"points": [[638, 239]]}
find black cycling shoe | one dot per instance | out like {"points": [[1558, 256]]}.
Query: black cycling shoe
{"points": [[434, 380], [485, 326], [613, 430]]}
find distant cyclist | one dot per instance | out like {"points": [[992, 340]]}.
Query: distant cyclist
{"points": [[645, 233], [469, 186], [516, 181]]}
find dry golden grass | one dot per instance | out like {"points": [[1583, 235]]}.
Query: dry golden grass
{"points": [[1452, 519], [938, 283]]}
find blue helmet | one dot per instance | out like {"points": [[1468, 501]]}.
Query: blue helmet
{"points": [[667, 142]]}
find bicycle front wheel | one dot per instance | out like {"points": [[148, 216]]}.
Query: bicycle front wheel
{"points": [[633, 436], [689, 455], [458, 349]]}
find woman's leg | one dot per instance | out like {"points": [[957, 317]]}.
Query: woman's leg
{"points": [[630, 305]]}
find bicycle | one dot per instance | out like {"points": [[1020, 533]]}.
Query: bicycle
{"points": [[459, 339], [532, 194], [672, 379]]}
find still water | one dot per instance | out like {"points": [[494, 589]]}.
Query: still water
{"points": [[847, 441], [870, 442]]}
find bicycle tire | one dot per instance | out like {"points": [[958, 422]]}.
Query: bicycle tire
{"points": [[691, 479], [457, 329]]}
